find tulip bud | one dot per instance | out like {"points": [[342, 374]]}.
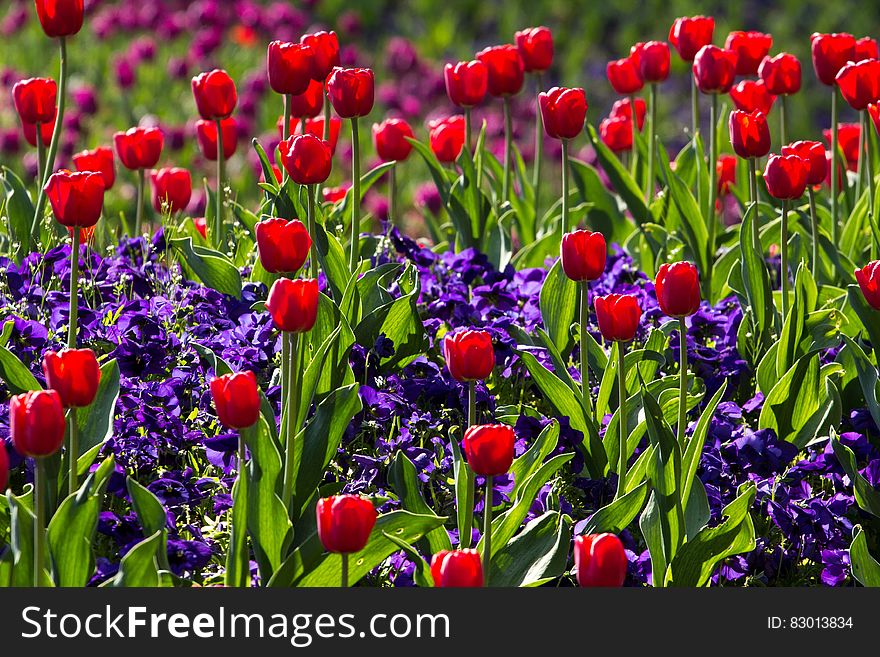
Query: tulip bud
{"points": [[786, 176], [505, 68], [100, 160], [688, 35], [74, 373], [60, 18], [535, 46], [860, 83], [457, 569], [289, 67], [622, 108], [215, 94], [749, 134], [563, 112], [750, 49], [678, 289], [76, 198], [618, 316], [237, 399], [616, 133], [726, 167], [446, 137], [351, 91], [466, 82], [201, 226], [324, 48], [37, 423], [848, 135], [868, 278], [830, 53], [34, 100], [470, 355], [309, 103], [488, 449], [813, 153], [306, 159], [599, 560], [293, 304], [583, 255], [781, 74], [714, 69], [283, 245], [624, 75], [752, 95], [390, 138], [866, 48], [139, 148], [345, 523], [653, 60], [206, 135]]}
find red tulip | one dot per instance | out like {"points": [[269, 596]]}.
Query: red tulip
{"points": [[345, 523], [325, 53], [749, 134], [457, 569], [781, 74], [236, 399], [678, 289], [860, 83], [752, 95], [583, 255], [306, 159], [334, 194], [34, 100], [812, 152], [316, 127], [599, 560], [625, 76], [874, 113], [750, 48], [470, 355], [726, 167], [139, 148], [390, 138], [206, 136], [688, 35], [46, 130], [652, 58], [866, 48], [283, 245], [848, 142], [309, 103], [351, 91], [535, 46], [289, 67], [100, 160], [446, 137], [830, 53], [4, 468], [616, 133], [868, 278], [618, 316], [76, 198], [563, 111], [714, 70], [74, 373], [36, 422], [293, 304], [786, 176], [466, 82], [489, 448], [172, 187], [505, 68], [201, 226], [622, 108], [215, 94], [60, 18]]}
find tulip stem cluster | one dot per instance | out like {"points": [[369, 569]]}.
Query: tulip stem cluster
{"points": [[621, 414], [355, 196], [487, 529], [585, 353], [508, 147]]}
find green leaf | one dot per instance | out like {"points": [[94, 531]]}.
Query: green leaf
{"points": [[616, 516], [464, 494], [866, 495], [71, 531], [865, 568], [604, 213], [422, 572], [693, 224], [95, 422], [20, 213], [690, 460], [867, 376], [621, 181], [15, 375], [333, 261], [21, 535], [526, 465], [559, 303], [139, 568], [213, 268], [870, 318], [404, 480], [537, 554], [756, 283], [237, 554]]}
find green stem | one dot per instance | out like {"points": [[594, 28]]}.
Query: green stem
{"points": [[467, 128], [139, 208], [313, 253], [56, 137], [41, 155], [220, 220], [74, 289], [487, 530], [713, 185], [621, 386], [814, 224], [39, 520], [782, 112], [285, 373], [508, 147], [585, 353], [834, 209], [563, 219], [783, 273], [392, 195], [682, 380], [869, 161], [860, 169], [465, 541], [354, 258], [539, 143], [695, 131], [73, 453], [343, 570], [285, 131], [290, 419], [634, 119], [753, 194], [649, 186], [326, 117]]}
